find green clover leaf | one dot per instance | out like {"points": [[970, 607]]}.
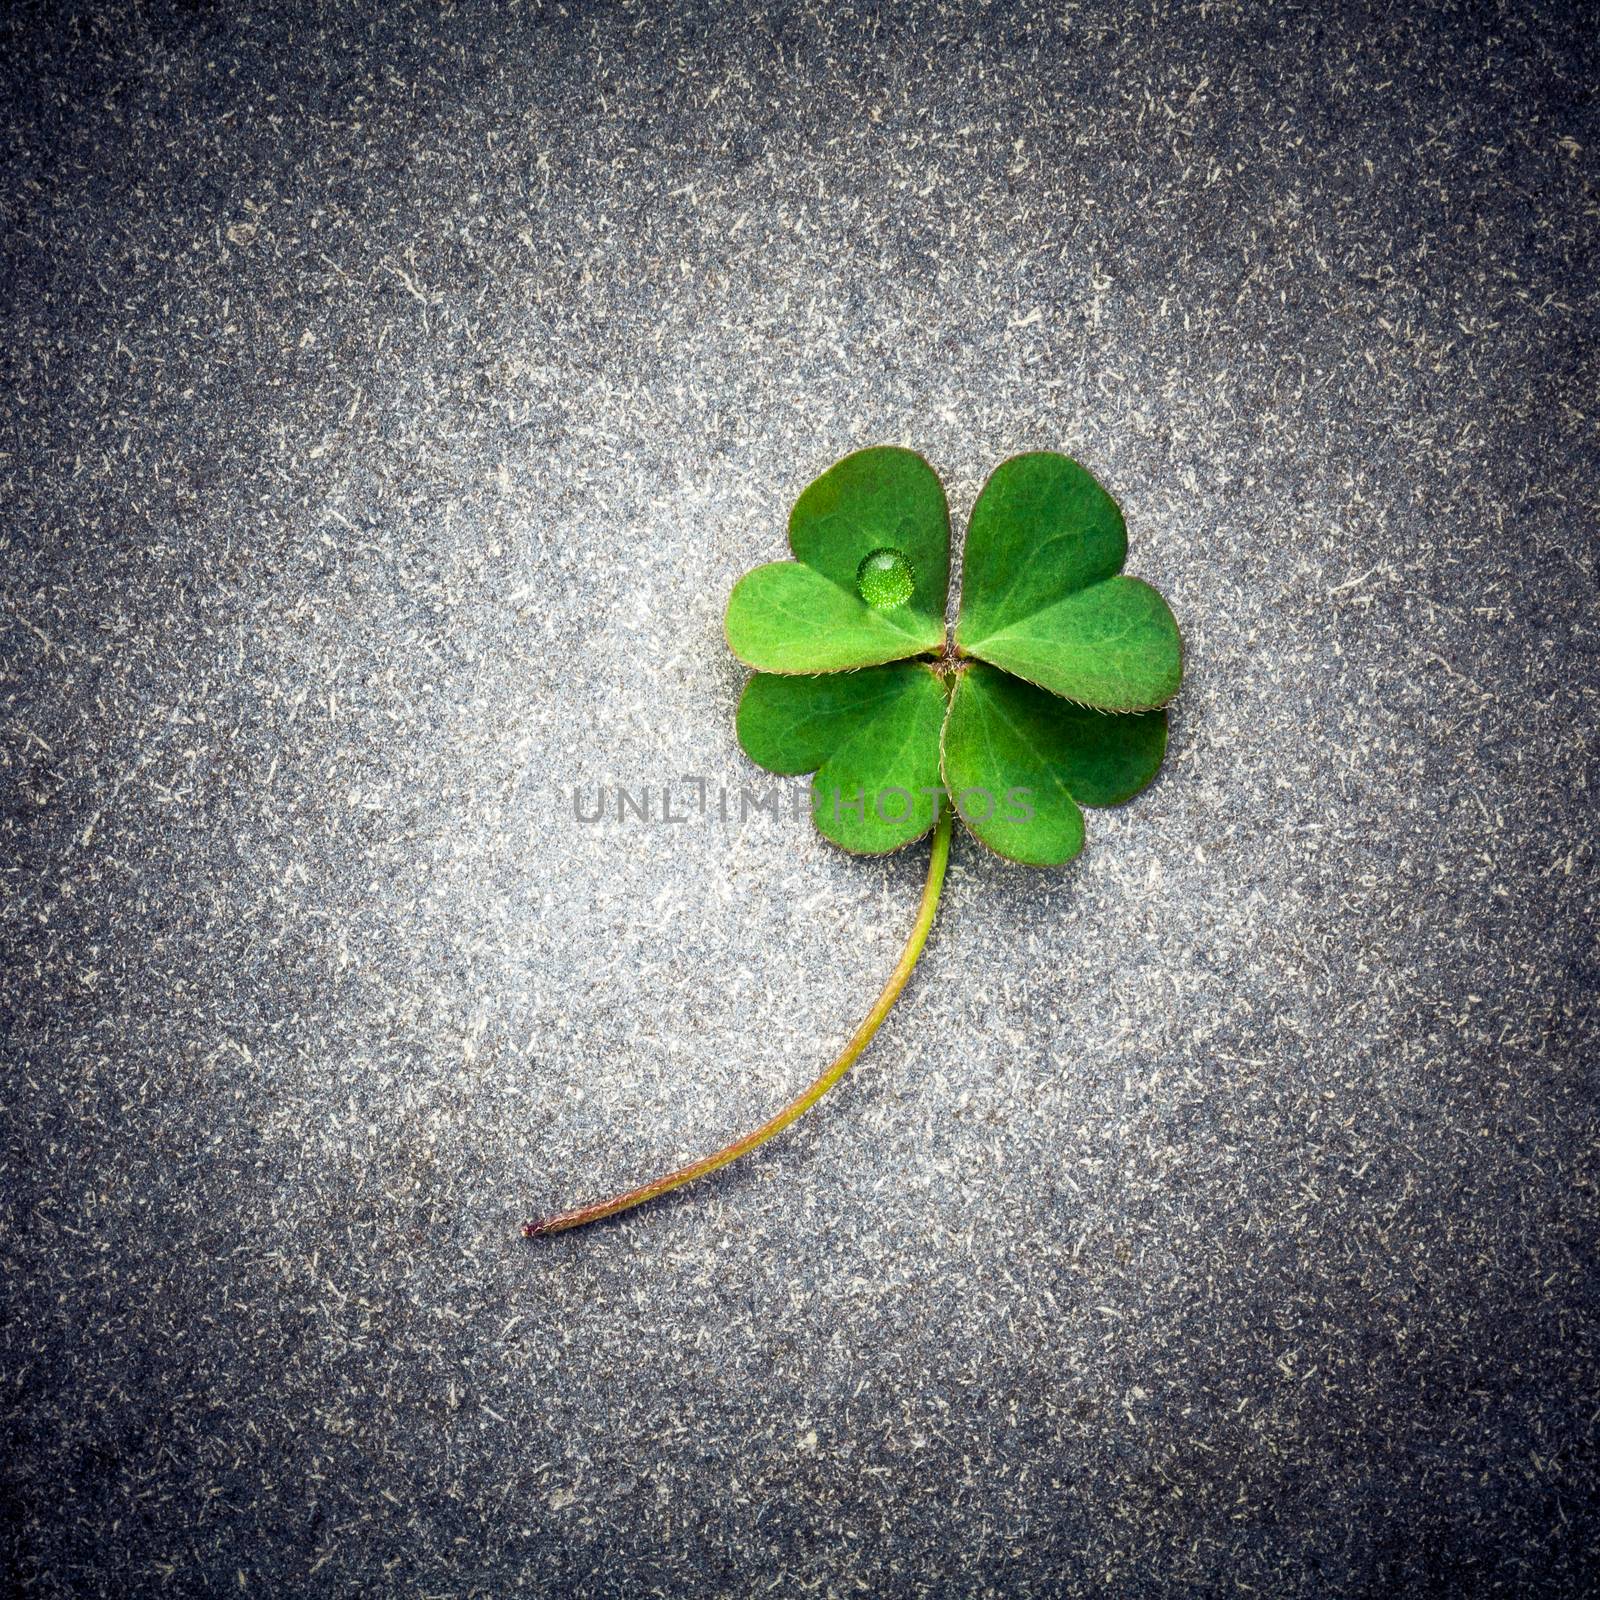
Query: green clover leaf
{"points": [[1020, 763], [846, 602], [1059, 667], [1041, 597], [1048, 699], [871, 737]]}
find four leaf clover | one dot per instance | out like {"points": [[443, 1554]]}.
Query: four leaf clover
{"points": [[1048, 698]]}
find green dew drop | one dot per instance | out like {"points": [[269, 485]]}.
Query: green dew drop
{"points": [[884, 579]]}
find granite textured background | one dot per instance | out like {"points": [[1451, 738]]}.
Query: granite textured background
{"points": [[391, 397]]}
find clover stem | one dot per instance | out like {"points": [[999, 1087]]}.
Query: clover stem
{"points": [[802, 1102]]}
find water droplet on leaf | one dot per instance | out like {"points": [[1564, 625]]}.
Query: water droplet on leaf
{"points": [[884, 579]]}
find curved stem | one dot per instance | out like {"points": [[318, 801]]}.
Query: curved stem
{"points": [[802, 1102]]}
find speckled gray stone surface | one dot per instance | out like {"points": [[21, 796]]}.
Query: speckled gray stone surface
{"points": [[389, 402]]}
